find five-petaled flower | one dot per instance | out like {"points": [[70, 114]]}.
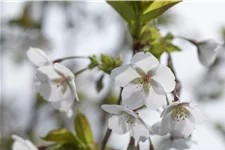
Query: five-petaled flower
{"points": [[179, 119], [124, 120], [22, 144], [207, 51], [54, 82], [145, 81]]}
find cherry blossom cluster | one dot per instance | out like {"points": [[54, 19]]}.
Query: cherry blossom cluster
{"points": [[146, 82], [54, 81]]}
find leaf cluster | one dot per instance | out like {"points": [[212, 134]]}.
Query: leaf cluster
{"points": [[106, 63], [65, 140]]}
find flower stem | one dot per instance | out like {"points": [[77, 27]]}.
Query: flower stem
{"points": [[106, 137], [151, 147], [178, 83], [71, 57], [187, 39], [109, 131], [167, 101], [131, 145], [80, 71]]}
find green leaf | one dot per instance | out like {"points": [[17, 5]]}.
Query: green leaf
{"points": [[172, 48], [93, 62], [155, 9], [109, 63], [62, 136], [83, 129], [125, 9]]}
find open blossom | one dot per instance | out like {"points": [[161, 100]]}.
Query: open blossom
{"points": [[54, 82], [179, 119], [22, 144], [145, 81], [124, 120], [207, 51]]}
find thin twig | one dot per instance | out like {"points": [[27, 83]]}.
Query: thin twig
{"points": [[71, 57]]}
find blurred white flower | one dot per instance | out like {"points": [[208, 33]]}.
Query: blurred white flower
{"points": [[207, 51], [124, 120], [176, 144], [38, 57], [22, 144], [145, 81], [179, 119], [54, 82]]}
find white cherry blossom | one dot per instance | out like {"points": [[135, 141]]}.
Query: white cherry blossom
{"points": [[38, 57], [22, 144], [124, 120], [207, 51], [54, 82], [179, 119], [145, 81]]}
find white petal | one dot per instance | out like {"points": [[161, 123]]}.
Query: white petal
{"points": [[166, 124], [182, 143], [22, 144], [207, 51], [38, 57], [139, 133], [198, 115], [73, 89], [156, 128], [123, 75], [154, 100], [158, 87], [59, 68], [165, 77], [117, 109], [119, 125], [49, 71], [185, 127], [145, 61], [133, 97], [64, 105]]}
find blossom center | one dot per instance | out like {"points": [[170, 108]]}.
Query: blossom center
{"points": [[179, 112], [146, 80], [127, 117]]}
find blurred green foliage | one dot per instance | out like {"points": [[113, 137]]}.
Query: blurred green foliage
{"points": [[64, 139], [25, 20]]}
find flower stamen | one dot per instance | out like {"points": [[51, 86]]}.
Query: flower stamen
{"points": [[179, 112]]}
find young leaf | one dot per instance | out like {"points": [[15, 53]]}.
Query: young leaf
{"points": [[83, 129], [62, 136], [125, 9], [155, 9]]}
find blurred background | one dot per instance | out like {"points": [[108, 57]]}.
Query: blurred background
{"points": [[86, 28]]}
